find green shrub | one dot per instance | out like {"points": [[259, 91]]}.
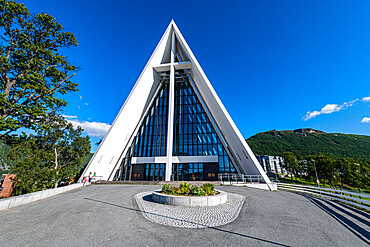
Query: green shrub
{"points": [[166, 188], [197, 191], [184, 185], [190, 190], [207, 190], [209, 185]]}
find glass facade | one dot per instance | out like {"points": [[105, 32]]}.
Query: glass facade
{"points": [[151, 139], [188, 172], [194, 135], [155, 172]]}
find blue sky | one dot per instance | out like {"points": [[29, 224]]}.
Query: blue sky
{"points": [[274, 64]]}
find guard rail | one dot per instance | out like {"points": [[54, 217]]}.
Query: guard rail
{"points": [[237, 178], [349, 197]]}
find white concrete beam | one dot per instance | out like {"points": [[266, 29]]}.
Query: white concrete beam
{"points": [[171, 112]]}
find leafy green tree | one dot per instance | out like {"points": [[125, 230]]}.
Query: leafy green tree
{"points": [[311, 168], [325, 165], [4, 162], [303, 167], [54, 154], [290, 163], [347, 170], [66, 146], [32, 70], [33, 173], [361, 176], [330, 169], [364, 172]]}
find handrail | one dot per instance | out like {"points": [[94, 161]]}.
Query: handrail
{"points": [[233, 177], [333, 198], [334, 194], [323, 192], [94, 178], [327, 189]]}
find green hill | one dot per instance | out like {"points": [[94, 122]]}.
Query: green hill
{"points": [[304, 142]]}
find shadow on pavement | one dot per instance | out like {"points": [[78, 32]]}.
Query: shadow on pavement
{"points": [[359, 231], [358, 211], [214, 228], [148, 198]]}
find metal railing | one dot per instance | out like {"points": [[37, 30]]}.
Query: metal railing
{"points": [[237, 178], [349, 197], [96, 179]]}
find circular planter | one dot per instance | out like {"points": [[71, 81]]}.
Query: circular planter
{"points": [[191, 201]]}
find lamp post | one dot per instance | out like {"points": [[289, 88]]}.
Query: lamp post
{"points": [[317, 178]]}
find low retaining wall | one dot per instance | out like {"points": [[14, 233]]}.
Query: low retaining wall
{"points": [[27, 198], [191, 201]]}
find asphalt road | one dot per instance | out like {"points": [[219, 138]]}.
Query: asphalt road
{"points": [[107, 215]]}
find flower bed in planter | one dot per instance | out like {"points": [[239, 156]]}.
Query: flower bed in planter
{"points": [[185, 189], [192, 196]]}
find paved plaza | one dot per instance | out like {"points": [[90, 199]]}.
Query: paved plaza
{"points": [[108, 215], [190, 217]]}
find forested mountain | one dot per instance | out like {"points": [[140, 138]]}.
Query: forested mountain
{"points": [[304, 142]]}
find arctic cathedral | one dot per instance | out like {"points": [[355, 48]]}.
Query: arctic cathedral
{"points": [[173, 126]]}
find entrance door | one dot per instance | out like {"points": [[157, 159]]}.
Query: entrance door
{"points": [[211, 171], [187, 172], [137, 172]]}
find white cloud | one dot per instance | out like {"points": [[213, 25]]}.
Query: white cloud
{"points": [[365, 120], [95, 129], [69, 117], [366, 99], [329, 108], [350, 103]]}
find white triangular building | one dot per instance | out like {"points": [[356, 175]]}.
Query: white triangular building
{"points": [[173, 125]]}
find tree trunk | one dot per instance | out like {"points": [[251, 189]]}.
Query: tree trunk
{"points": [[56, 167], [291, 175], [56, 181]]}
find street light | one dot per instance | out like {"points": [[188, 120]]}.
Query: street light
{"points": [[317, 178]]}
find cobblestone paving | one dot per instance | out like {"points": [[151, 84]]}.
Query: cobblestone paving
{"points": [[189, 217]]}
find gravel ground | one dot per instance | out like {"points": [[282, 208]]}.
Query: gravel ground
{"points": [[190, 217]]}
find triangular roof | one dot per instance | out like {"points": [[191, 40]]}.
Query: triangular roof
{"points": [[116, 142]]}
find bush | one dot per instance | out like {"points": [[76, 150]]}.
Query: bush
{"points": [[167, 188], [208, 188], [198, 191], [185, 189], [184, 185]]}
